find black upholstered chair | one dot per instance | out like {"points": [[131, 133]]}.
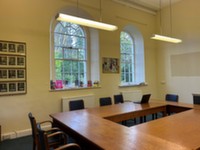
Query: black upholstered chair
{"points": [[118, 98], [105, 101], [196, 99], [171, 97], [76, 104]]}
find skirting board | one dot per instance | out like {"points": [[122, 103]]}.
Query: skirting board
{"points": [[20, 133]]}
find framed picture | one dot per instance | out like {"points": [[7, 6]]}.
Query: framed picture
{"points": [[3, 74], [21, 86], [11, 60], [3, 87], [21, 61], [12, 87], [11, 47], [3, 60], [21, 74], [12, 68], [110, 65], [20, 48], [3, 47]]}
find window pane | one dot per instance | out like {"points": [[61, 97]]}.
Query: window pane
{"points": [[58, 65], [70, 54], [58, 53], [81, 54]]}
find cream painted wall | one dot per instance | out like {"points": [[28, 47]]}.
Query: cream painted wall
{"points": [[29, 21], [185, 25]]}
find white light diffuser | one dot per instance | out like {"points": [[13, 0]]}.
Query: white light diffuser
{"points": [[86, 22], [166, 38]]}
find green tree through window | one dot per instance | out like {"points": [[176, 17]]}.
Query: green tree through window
{"points": [[127, 58], [70, 53]]}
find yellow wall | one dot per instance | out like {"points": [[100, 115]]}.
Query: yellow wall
{"points": [[185, 25], [29, 21]]}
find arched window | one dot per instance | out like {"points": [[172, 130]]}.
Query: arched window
{"points": [[74, 56], [70, 54], [127, 50], [132, 57]]}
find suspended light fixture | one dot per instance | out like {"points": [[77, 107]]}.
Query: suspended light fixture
{"points": [[86, 22], [166, 38]]}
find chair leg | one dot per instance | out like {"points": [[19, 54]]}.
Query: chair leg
{"points": [[134, 120], [141, 119], [153, 117], [145, 119]]}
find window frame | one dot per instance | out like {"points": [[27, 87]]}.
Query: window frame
{"points": [[69, 59], [131, 74], [138, 43]]}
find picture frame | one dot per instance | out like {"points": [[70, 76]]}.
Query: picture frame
{"points": [[12, 68], [110, 65]]}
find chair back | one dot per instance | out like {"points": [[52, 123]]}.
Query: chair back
{"points": [[118, 99], [171, 97], [105, 101], [76, 105], [196, 99], [34, 131]]}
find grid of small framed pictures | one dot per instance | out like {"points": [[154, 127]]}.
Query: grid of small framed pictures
{"points": [[12, 68]]}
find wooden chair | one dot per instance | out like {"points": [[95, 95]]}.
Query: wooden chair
{"points": [[76, 104], [33, 122], [118, 99], [45, 138], [105, 101]]}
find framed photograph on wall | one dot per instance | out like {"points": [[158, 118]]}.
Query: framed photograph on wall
{"points": [[3, 47], [3, 74], [12, 68], [110, 65]]}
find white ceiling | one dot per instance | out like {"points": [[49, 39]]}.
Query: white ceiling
{"points": [[151, 6]]}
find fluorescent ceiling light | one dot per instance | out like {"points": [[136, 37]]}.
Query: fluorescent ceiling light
{"points": [[165, 38], [85, 22]]}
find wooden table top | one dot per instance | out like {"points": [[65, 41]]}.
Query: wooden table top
{"points": [[158, 134], [182, 128], [121, 108]]}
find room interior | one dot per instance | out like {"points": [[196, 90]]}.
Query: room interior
{"points": [[169, 68]]}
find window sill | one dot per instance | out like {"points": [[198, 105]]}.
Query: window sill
{"points": [[74, 88], [133, 85]]}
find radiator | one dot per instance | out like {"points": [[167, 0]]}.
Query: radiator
{"points": [[134, 95], [89, 101]]}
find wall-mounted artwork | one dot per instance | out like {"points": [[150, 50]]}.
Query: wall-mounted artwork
{"points": [[12, 68], [110, 65]]}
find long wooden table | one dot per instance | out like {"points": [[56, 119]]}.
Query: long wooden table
{"points": [[95, 129]]}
